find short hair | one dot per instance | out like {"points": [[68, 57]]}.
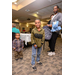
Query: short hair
{"points": [[17, 33], [57, 6], [51, 15], [37, 19]]}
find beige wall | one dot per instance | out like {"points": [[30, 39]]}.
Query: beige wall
{"points": [[27, 29]]}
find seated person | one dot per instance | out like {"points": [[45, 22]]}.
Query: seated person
{"points": [[14, 29]]}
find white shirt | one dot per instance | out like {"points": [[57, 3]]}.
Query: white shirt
{"points": [[53, 16]]}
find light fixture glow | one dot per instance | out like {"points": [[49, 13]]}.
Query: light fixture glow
{"points": [[27, 25], [41, 25], [37, 12], [16, 20], [15, 3], [35, 15]]}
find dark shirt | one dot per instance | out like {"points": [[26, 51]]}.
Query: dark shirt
{"points": [[49, 23]]}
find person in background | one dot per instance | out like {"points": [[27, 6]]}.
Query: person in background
{"points": [[57, 17], [30, 30], [50, 21], [18, 45], [24, 31], [50, 29], [37, 39], [14, 29]]}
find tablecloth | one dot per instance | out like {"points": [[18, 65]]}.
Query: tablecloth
{"points": [[25, 37]]}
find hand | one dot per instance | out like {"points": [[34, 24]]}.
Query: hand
{"points": [[35, 46], [50, 25], [22, 47], [14, 48]]}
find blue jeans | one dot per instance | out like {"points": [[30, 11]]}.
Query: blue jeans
{"points": [[34, 54]]}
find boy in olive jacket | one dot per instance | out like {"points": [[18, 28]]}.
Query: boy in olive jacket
{"points": [[37, 39]]}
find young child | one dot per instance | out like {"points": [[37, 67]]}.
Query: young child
{"points": [[37, 39], [18, 45]]}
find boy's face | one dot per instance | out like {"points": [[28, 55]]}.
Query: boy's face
{"points": [[37, 23], [17, 36]]}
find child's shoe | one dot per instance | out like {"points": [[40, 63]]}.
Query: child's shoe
{"points": [[16, 59], [39, 63], [34, 67]]}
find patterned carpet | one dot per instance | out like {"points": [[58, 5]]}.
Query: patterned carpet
{"points": [[52, 65]]}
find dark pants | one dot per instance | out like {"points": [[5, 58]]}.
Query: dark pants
{"points": [[18, 54], [52, 41]]}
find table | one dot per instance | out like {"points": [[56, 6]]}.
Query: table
{"points": [[25, 37]]}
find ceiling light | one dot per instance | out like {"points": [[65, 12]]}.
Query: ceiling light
{"points": [[27, 25], [37, 12], [15, 3], [27, 10], [14, 0], [16, 20], [35, 15]]}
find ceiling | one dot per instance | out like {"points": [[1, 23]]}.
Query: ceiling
{"points": [[32, 9]]}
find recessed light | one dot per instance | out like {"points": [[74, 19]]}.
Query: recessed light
{"points": [[27, 10], [37, 12], [15, 3]]}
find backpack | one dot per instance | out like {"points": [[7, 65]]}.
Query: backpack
{"points": [[48, 33]]}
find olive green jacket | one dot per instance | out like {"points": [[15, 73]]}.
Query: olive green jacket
{"points": [[37, 37]]}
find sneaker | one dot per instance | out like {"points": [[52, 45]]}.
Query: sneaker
{"points": [[39, 63], [34, 67], [50, 53], [53, 53]]}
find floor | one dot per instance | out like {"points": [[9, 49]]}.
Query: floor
{"points": [[52, 65]]}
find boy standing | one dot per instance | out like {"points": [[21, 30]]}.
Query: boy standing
{"points": [[37, 39], [18, 45]]}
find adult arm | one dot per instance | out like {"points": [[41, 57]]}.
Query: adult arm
{"points": [[60, 19]]}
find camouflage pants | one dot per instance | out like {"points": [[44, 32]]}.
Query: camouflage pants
{"points": [[18, 54]]}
